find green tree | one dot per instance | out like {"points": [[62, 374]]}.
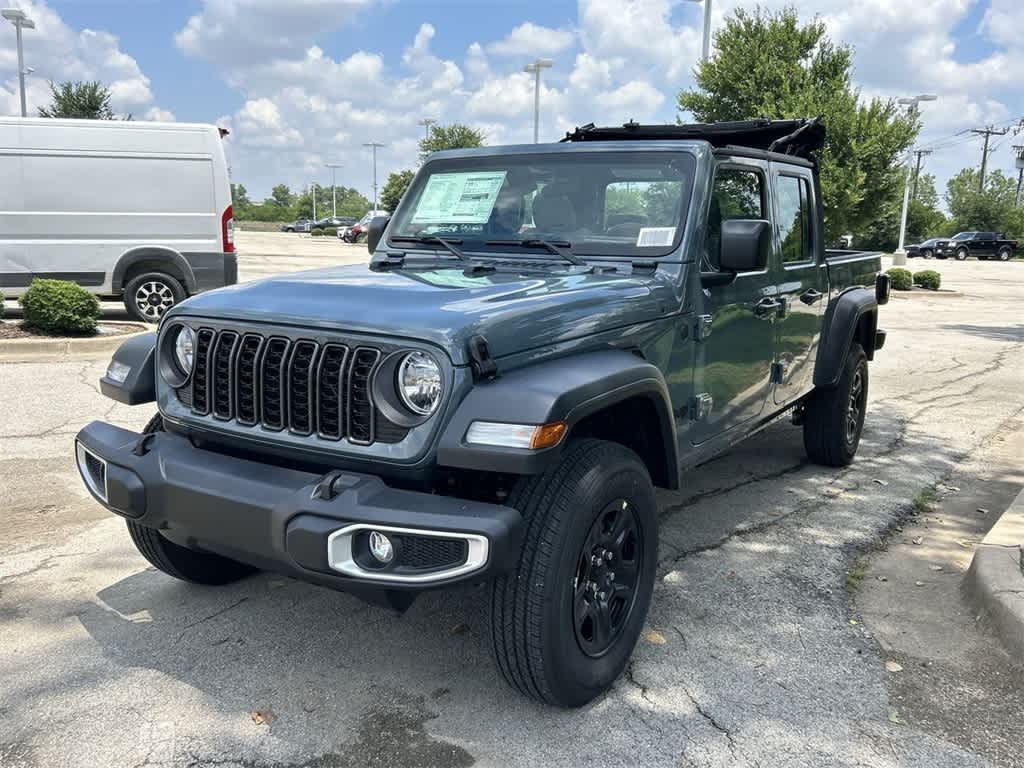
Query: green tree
{"points": [[924, 220], [991, 209], [282, 196], [454, 136], [240, 202], [84, 100], [770, 65], [394, 188]]}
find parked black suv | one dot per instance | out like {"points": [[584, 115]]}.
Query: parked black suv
{"points": [[983, 245]]}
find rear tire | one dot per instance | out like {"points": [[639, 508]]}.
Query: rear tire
{"points": [[177, 561], [148, 296], [1005, 254], [563, 622], [834, 417]]}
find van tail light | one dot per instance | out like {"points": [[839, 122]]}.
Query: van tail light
{"points": [[227, 230]]}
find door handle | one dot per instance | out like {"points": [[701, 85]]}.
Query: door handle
{"points": [[767, 307], [811, 297]]}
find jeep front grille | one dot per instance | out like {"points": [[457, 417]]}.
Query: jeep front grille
{"points": [[309, 389]]}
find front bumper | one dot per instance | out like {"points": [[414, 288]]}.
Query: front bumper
{"points": [[290, 521]]}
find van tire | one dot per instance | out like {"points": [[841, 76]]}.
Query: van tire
{"points": [[834, 417], [149, 295]]}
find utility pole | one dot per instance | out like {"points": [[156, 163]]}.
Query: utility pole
{"points": [[988, 133], [426, 122], [917, 170], [20, 21], [334, 187], [1019, 149], [374, 145], [314, 200], [535, 69]]}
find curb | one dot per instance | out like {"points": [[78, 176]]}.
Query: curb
{"points": [[995, 580], [55, 350]]}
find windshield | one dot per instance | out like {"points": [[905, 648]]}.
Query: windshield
{"points": [[963, 236], [628, 204]]}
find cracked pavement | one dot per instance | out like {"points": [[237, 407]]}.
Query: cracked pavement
{"points": [[754, 655]]}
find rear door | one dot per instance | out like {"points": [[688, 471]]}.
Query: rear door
{"points": [[800, 275], [985, 244], [733, 363]]}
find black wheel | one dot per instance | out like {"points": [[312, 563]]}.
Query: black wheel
{"points": [[178, 561], [149, 295], [927, 253], [961, 254], [834, 417], [1004, 254], [564, 622], [360, 238]]}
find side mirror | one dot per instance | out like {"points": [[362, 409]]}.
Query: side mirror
{"points": [[745, 244], [375, 231]]}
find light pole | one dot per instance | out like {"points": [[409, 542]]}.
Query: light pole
{"points": [[374, 145], [426, 122], [20, 21], [334, 187], [706, 47], [899, 256], [535, 69]]}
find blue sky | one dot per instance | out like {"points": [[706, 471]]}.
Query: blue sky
{"points": [[301, 82]]}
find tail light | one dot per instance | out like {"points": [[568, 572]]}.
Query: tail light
{"points": [[227, 230]]}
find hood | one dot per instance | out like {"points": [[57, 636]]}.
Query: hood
{"points": [[442, 305]]}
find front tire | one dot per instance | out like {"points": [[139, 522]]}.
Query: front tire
{"points": [[148, 296], [927, 253], [564, 622], [834, 417], [961, 254], [177, 561]]}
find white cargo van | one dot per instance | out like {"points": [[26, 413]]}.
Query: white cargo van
{"points": [[132, 210]]}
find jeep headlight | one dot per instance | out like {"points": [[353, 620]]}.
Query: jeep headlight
{"points": [[184, 349], [419, 383]]}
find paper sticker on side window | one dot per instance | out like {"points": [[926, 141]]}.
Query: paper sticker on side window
{"points": [[458, 198], [655, 237]]}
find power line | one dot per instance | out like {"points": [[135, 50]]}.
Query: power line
{"points": [[1019, 149], [988, 133]]}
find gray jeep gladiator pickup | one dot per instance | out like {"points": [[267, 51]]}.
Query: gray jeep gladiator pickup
{"points": [[544, 334]]}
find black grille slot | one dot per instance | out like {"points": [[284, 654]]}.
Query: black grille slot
{"points": [[246, 392], [201, 371], [272, 383], [330, 391], [223, 374], [429, 553], [300, 387], [360, 409]]}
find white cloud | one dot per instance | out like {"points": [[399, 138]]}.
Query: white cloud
{"points": [[529, 39], [157, 115]]}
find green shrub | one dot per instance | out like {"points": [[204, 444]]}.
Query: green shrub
{"points": [[58, 306], [900, 279], [330, 231], [317, 233], [928, 278]]}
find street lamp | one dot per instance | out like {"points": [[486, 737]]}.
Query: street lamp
{"points": [[899, 256], [535, 69], [706, 48], [374, 145], [426, 122], [20, 21], [334, 187]]}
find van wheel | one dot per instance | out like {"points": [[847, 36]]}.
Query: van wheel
{"points": [[564, 622], [834, 417], [148, 296]]}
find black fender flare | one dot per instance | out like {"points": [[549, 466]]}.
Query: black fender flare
{"points": [[151, 253], [138, 353], [566, 389], [855, 308]]}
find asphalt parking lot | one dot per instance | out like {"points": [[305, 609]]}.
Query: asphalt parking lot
{"points": [[754, 652]]}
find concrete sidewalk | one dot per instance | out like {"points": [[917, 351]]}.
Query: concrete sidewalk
{"points": [[995, 580]]}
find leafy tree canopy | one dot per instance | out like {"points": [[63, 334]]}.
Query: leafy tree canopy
{"points": [[393, 190], [991, 209], [454, 136], [770, 65], [83, 100]]}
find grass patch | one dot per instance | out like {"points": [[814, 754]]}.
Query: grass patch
{"points": [[924, 501], [854, 577]]}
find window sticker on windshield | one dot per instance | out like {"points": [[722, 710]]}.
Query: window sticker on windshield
{"points": [[458, 198], [655, 236]]}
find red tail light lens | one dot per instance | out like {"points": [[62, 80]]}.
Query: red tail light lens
{"points": [[227, 230]]}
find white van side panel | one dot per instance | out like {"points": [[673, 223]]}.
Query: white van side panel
{"points": [[75, 196]]}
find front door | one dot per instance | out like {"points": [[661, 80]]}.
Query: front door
{"points": [[732, 372], [801, 279]]}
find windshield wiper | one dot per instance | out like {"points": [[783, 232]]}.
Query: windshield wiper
{"points": [[557, 248], [449, 245]]}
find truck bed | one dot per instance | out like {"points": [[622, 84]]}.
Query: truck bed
{"points": [[850, 268]]}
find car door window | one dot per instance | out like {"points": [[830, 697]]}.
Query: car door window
{"points": [[794, 202], [738, 193]]}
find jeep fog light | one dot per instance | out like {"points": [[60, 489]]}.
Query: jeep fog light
{"points": [[118, 372], [381, 548], [528, 436]]}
